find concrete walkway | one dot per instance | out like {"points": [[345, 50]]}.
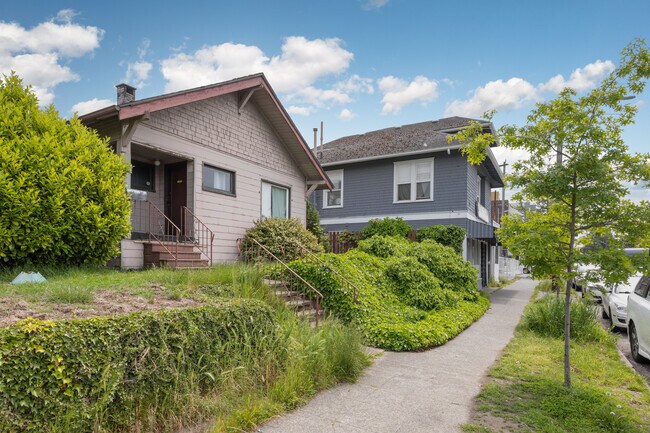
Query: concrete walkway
{"points": [[428, 391]]}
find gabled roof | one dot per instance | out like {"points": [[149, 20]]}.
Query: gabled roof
{"points": [[423, 137], [255, 87]]}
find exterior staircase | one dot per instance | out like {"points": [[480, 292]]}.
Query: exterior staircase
{"points": [[305, 308], [173, 255]]}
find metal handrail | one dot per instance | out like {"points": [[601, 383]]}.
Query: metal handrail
{"points": [[355, 289], [315, 293], [199, 240], [167, 223]]}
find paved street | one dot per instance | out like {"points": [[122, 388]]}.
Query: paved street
{"points": [[428, 391], [624, 348]]}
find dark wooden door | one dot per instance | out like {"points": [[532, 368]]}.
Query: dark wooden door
{"points": [[175, 192]]}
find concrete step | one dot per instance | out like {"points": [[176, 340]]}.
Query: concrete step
{"points": [[151, 247], [158, 256], [299, 304]]}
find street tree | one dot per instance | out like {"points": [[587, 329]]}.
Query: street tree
{"points": [[580, 165]]}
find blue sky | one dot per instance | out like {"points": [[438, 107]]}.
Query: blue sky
{"points": [[357, 65]]}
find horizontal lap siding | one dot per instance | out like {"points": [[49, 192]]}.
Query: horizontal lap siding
{"points": [[368, 188], [212, 132]]}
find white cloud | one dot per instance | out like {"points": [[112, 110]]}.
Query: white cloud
{"points": [[300, 111], [37, 55], [496, 95], [94, 104], [375, 4], [346, 115], [356, 84], [301, 63], [581, 78], [516, 92], [398, 93], [320, 97], [137, 73]]}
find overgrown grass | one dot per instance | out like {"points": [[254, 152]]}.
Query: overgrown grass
{"points": [[526, 389], [295, 362], [77, 285]]}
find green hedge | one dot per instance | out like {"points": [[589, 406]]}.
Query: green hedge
{"points": [[449, 235], [95, 374], [411, 295], [281, 236], [386, 227]]}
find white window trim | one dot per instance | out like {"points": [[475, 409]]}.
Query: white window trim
{"points": [[411, 162], [273, 184], [326, 192]]}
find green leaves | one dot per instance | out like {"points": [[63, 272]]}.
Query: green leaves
{"points": [[91, 372], [411, 295], [62, 195]]}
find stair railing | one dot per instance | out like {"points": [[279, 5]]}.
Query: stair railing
{"points": [[197, 233], [259, 253], [168, 231], [307, 253]]}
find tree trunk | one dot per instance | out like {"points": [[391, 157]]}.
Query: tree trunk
{"points": [[569, 284]]}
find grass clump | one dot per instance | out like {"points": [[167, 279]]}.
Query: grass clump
{"points": [[526, 391], [411, 296], [545, 316]]}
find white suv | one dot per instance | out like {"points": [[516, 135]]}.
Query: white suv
{"points": [[638, 310]]}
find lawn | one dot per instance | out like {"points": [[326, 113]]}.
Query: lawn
{"points": [[525, 389], [89, 291], [288, 366]]}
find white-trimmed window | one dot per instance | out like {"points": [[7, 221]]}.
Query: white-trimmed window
{"points": [[413, 181], [275, 201], [334, 198]]}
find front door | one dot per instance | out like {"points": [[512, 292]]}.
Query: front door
{"points": [[175, 193], [484, 267]]}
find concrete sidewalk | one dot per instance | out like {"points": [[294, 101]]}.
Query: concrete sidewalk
{"points": [[428, 391]]}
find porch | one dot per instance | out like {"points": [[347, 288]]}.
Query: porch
{"points": [[164, 229]]}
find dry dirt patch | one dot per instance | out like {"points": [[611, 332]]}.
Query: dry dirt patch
{"points": [[104, 303]]}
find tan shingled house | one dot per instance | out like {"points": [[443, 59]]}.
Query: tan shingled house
{"points": [[207, 162]]}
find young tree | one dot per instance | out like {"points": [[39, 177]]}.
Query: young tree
{"points": [[579, 164], [62, 193]]}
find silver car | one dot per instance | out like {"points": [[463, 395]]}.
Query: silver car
{"points": [[615, 302]]}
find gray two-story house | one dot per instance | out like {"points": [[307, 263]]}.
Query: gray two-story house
{"points": [[412, 172]]}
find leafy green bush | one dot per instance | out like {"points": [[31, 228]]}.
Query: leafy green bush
{"points": [[313, 225], [384, 246], [401, 304], [281, 236], [417, 286], [62, 195], [450, 235], [386, 227], [76, 375], [546, 317]]}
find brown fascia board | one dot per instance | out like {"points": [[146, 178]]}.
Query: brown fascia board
{"points": [[139, 108]]}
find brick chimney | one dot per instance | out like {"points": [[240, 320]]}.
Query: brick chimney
{"points": [[125, 94]]}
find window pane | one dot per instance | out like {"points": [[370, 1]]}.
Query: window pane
{"points": [[266, 200], [403, 173], [423, 172], [334, 198], [423, 190], [278, 202], [404, 192], [214, 178]]}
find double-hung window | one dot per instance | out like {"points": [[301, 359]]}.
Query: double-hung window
{"points": [[413, 181], [334, 198], [218, 180], [275, 201]]}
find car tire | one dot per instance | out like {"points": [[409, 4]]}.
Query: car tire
{"points": [[634, 345], [604, 313]]}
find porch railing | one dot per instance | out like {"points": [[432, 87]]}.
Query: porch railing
{"points": [[197, 233], [149, 222]]}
